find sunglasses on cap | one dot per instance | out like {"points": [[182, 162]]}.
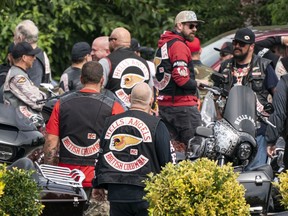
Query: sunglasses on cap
{"points": [[241, 44], [192, 25]]}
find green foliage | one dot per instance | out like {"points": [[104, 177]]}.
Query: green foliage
{"points": [[21, 193], [64, 22], [282, 185], [196, 188]]}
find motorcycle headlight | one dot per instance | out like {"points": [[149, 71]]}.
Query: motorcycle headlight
{"points": [[6, 152], [244, 151]]}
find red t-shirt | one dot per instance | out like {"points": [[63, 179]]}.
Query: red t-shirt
{"points": [[53, 128]]}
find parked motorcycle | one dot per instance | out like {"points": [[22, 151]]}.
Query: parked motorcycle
{"points": [[232, 138], [20, 139], [18, 135], [62, 192]]}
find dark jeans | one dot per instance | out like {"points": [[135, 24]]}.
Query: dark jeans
{"points": [[129, 208], [181, 121]]}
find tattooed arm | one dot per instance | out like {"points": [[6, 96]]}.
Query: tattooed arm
{"points": [[51, 149]]}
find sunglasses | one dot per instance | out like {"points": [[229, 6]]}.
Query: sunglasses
{"points": [[111, 39], [192, 25], [241, 44]]}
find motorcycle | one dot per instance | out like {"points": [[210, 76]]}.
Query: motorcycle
{"points": [[20, 138], [62, 192], [232, 139]]}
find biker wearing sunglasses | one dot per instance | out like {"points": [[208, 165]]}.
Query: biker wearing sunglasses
{"points": [[175, 78], [246, 68]]}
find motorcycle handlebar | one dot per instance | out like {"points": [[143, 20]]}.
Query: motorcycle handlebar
{"points": [[215, 90]]}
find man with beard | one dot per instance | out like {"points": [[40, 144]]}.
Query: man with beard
{"points": [[122, 68], [248, 69], [176, 79]]}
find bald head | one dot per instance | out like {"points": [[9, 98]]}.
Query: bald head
{"points": [[120, 37], [100, 48], [141, 94]]}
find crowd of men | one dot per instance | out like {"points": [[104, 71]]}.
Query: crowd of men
{"points": [[107, 111]]}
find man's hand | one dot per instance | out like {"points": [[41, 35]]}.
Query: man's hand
{"points": [[270, 150], [99, 194], [206, 82]]}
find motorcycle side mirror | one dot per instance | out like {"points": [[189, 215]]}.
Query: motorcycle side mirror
{"points": [[219, 78], [269, 108]]}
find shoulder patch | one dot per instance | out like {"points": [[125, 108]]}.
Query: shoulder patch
{"points": [[22, 80]]}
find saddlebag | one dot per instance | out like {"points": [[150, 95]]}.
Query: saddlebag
{"points": [[258, 187]]}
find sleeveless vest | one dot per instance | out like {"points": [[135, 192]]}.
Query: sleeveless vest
{"points": [[164, 67], [127, 69], [254, 79], [81, 121], [128, 149]]}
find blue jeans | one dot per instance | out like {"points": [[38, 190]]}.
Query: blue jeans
{"points": [[261, 155]]}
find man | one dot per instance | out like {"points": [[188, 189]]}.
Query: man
{"points": [[123, 69], [133, 144], [176, 80], [267, 48], [77, 122], [19, 91], [100, 48], [226, 51], [246, 68], [202, 72], [40, 72], [279, 119], [70, 79]]}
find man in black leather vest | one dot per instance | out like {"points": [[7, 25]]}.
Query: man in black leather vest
{"points": [[77, 122], [70, 79], [123, 69], [246, 68], [133, 144]]}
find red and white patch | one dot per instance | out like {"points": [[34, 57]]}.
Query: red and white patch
{"points": [[91, 136], [182, 71], [80, 150], [134, 151], [125, 166]]}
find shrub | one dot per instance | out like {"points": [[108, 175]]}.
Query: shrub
{"points": [[196, 188], [282, 186], [21, 194]]}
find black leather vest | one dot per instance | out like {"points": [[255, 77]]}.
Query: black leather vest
{"points": [[128, 149], [82, 117], [254, 79], [164, 67], [127, 69]]}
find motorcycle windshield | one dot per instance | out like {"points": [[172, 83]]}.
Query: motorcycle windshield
{"points": [[240, 109], [208, 110]]}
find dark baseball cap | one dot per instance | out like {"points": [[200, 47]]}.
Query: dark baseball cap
{"points": [[245, 35], [135, 45], [24, 48], [80, 50], [226, 47]]}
